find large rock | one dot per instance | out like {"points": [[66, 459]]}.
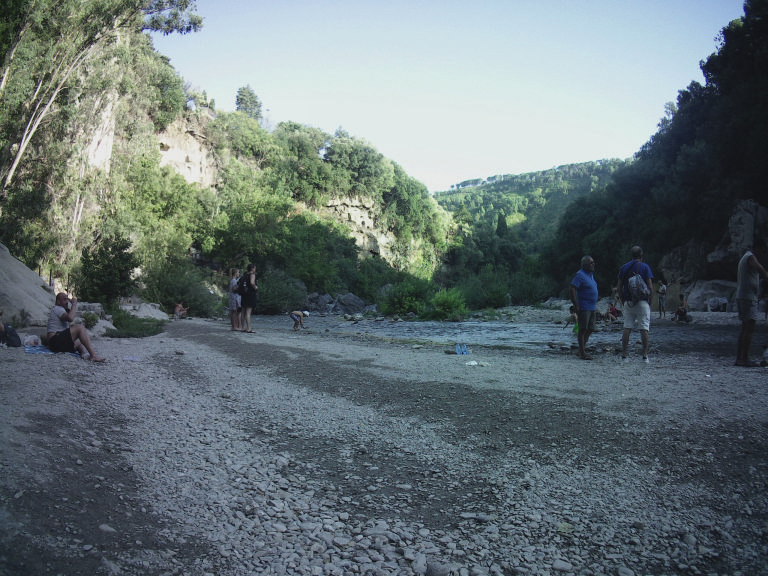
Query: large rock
{"points": [[22, 289], [702, 291], [348, 304], [748, 220]]}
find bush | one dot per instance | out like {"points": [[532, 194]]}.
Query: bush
{"points": [[90, 319], [406, 297], [279, 292], [447, 305], [180, 281], [127, 326]]}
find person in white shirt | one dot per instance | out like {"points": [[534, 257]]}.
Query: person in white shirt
{"points": [[61, 336]]}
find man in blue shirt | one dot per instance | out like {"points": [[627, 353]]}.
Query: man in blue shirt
{"points": [[584, 297], [635, 311]]}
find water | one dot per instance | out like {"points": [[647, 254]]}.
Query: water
{"points": [[666, 337]]}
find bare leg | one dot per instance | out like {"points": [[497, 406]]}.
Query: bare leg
{"points": [[248, 319], [80, 337], [625, 341], [646, 342]]}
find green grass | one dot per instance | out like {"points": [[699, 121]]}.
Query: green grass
{"points": [[127, 326]]}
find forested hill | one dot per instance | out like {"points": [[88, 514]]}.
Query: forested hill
{"points": [[531, 203], [706, 159]]}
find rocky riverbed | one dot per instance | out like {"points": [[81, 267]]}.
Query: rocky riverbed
{"points": [[366, 449]]}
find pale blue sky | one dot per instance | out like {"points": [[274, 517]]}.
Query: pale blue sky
{"points": [[456, 90]]}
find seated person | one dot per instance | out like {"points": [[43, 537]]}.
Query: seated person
{"points": [[62, 337], [613, 311], [610, 313], [681, 314], [180, 311]]}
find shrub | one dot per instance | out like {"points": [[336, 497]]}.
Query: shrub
{"points": [[447, 305], [90, 319], [127, 326], [279, 292], [405, 297], [180, 281]]}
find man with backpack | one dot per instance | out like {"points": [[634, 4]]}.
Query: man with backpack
{"points": [[635, 289]]}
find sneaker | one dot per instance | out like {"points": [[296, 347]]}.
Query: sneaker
{"points": [[645, 359]]}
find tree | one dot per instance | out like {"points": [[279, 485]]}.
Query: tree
{"points": [[51, 41], [106, 271], [246, 101]]}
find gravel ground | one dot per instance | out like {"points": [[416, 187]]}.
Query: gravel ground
{"points": [[366, 449]]}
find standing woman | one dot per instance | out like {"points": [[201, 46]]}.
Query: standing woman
{"points": [[251, 296], [235, 304]]}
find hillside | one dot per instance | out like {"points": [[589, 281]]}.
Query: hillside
{"points": [[531, 203]]}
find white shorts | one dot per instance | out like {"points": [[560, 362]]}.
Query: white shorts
{"points": [[640, 313]]}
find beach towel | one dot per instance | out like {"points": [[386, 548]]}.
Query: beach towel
{"points": [[45, 350]]}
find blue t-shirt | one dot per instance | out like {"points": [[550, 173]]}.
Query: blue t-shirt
{"points": [[629, 269], [586, 290]]}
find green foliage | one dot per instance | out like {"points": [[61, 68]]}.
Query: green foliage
{"points": [[90, 319], [408, 296], [447, 305], [248, 103], [128, 326], [279, 292], [489, 288], [105, 271], [244, 137], [179, 280]]}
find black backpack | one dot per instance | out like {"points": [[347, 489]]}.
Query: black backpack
{"points": [[9, 337], [242, 285]]}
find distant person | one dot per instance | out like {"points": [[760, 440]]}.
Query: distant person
{"points": [[250, 298], [573, 318], [750, 271], [62, 337], [583, 292], [179, 311], [235, 301], [681, 314], [662, 292], [636, 312], [298, 318]]}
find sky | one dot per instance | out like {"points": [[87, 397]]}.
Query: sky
{"points": [[457, 90]]}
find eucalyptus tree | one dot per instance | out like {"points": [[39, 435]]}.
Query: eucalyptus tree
{"points": [[47, 43]]}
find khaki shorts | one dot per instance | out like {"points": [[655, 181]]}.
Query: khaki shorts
{"points": [[640, 313]]}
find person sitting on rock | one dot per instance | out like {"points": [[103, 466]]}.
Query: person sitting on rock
{"points": [[62, 337], [180, 311], [681, 314]]}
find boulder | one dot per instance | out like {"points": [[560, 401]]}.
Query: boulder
{"points": [[749, 219], [702, 291], [321, 303], [22, 289], [348, 304]]}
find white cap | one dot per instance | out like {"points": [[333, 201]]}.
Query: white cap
{"points": [[305, 313]]}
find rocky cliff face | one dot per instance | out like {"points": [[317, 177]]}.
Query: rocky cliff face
{"points": [[358, 215], [184, 148]]}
